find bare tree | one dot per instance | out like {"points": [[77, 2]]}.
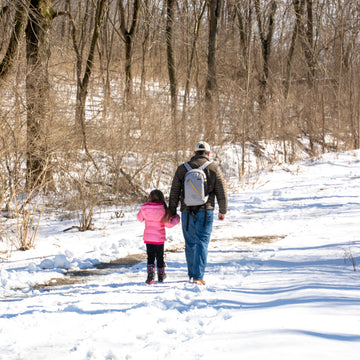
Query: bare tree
{"points": [[308, 41], [298, 7], [21, 10], [243, 11], [171, 68], [128, 37], [266, 31], [215, 9], [198, 15], [83, 78], [105, 50], [144, 44], [37, 90]]}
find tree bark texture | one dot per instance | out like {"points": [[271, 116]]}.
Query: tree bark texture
{"points": [[128, 35], [299, 8], [266, 36], [21, 13], [215, 7], [83, 81], [37, 92], [171, 69]]}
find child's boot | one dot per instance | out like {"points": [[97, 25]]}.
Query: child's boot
{"points": [[161, 274], [151, 274]]}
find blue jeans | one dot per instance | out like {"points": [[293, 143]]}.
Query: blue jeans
{"points": [[197, 239]]}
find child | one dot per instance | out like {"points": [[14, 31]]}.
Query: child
{"points": [[156, 215]]}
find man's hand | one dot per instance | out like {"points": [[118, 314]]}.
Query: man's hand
{"points": [[221, 216]]}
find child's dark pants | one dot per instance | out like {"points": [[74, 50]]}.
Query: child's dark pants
{"points": [[155, 252]]}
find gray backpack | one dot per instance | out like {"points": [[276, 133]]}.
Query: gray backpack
{"points": [[195, 185]]}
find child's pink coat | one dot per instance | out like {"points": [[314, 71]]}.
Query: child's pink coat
{"points": [[152, 213]]}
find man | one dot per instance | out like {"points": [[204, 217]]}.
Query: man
{"points": [[197, 222]]}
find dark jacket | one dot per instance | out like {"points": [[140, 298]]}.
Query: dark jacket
{"points": [[216, 186]]}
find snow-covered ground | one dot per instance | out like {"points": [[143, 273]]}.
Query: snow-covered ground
{"points": [[280, 280]]}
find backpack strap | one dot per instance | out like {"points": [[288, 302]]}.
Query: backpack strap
{"points": [[204, 165], [187, 166]]}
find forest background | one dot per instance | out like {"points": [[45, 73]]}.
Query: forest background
{"points": [[101, 99]]}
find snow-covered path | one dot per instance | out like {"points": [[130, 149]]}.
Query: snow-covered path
{"points": [[255, 303], [280, 283]]}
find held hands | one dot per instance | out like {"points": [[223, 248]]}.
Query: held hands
{"points": [[171, 218]]}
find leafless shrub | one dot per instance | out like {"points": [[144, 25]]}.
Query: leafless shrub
{"points": [[75, 191], [27, 230], [23, 222], [21, 208], [87, 201], [348, 257], [2, 189]]}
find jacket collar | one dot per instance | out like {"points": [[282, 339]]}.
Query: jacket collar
{"points": [[195, 157]]}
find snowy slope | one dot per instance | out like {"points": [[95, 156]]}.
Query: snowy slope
{"points": [[280, 280]]}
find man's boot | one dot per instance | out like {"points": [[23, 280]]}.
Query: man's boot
{"points": [[151, 274]]}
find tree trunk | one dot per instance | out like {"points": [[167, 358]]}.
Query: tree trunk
{"points": [[308, 42], [128, 35], [298, 7], [198, 19], [6, 64], [37, 92], [266, 41], [144, 45], [308, 45], [215, 7], [196, 31], [83, 81], [171, 70], [243, 13]]}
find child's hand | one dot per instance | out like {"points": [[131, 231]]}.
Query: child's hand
{"points": [[166, 219]]}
